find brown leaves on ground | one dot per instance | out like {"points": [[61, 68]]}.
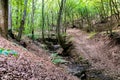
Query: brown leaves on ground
{"points": [[28, 66], [97, 51]]}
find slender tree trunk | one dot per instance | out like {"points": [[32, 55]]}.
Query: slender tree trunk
{"points": [[103, 10], [59, 22], [48, 24], [65, 18], [10, 32], [10, 17], [22, 23], [32, 18], [111, 11], [52, 20], [4, 18], [17, 12], [43, 21]]}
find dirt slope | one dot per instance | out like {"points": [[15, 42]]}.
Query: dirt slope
{"points": [[28, 66], [97, 51]]}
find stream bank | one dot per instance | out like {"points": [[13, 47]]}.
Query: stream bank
{"points": [[102, 55], [75, 64], [78, 62]]}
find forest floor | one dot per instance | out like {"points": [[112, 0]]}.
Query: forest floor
{"points": [[99, 50], [34, 63], [31, 64]]}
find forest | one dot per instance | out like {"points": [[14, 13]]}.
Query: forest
{"points": [[59, 39]]}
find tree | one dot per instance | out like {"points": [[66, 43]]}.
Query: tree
{"points": [[22, 23], [32, 18], [4, 18], [43, 21], [58, 29], [9, 17], [54, 16]]}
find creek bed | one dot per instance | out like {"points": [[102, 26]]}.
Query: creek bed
{"points": [[81, 69], [84, 71]]}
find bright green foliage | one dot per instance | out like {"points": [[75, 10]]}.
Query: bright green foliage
{"points": [[7, 52], [87, 10], [56, 59], [36, 36]]}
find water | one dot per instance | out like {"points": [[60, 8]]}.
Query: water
{"points": [[84, 72]]}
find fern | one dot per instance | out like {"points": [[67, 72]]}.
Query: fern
{"points": [[56, 59]]}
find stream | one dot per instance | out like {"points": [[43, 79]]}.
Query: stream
{"points": [[85, 72], [81, 69]]}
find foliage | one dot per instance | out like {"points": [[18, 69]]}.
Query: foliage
{"points": [[7, 52], [87, 12], [72, 8], [36, 36], [56, 59], [92, 34]]}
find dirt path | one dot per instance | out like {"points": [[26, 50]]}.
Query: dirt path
{"points": [[95, 51]]}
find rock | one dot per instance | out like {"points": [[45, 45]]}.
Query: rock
{"points": [[56, 47], [59, 51]]}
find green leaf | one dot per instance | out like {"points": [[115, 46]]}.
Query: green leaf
{"points": [[6, 52]]}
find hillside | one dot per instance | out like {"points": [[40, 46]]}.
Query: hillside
{"points": [[28, 66], [98, 49]]}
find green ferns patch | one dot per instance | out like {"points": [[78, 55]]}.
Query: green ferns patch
{"points": [[56, 59], [7, 52]]}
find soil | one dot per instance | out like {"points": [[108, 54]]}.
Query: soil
{"points": [[92, 58], [100, 51], [31, 64]]}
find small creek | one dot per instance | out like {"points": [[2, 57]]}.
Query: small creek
{"points": [[85, 72], [82, 69]]}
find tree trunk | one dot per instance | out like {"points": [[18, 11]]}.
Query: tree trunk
{"points": [[32, 18], [4, 18], [48, 24], [43, 21], [58, 31], [10, 17], [22, 23]]}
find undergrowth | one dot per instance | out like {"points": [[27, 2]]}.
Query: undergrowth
{"points": [[56, 59], [7, 52], [91, 35]]}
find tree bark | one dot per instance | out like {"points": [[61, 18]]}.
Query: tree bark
{"points": [[4, 18], [58, 31], [43, 21], [32, 18], [9, 17]]}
